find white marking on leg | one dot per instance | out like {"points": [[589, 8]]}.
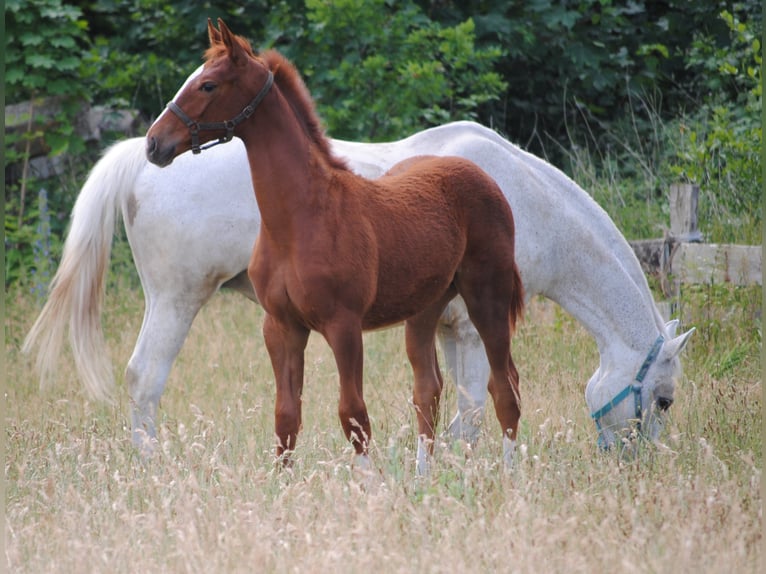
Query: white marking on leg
{"points": [[362, 462], [423, 463], [509, 448]]}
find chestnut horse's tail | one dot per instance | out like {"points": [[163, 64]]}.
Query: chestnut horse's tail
{"points": [[517, 301], [76, 292]]}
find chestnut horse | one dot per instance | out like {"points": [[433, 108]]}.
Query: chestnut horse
{"points": [[339, 254]]}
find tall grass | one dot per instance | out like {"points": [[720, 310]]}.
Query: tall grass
{"points": [[80, 500]]}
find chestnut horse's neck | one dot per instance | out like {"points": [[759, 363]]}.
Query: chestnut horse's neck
{"points": [[279, 154], [290, 159]]}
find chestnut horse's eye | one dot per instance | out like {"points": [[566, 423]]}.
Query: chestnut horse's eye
{"points": [[207, 87]]}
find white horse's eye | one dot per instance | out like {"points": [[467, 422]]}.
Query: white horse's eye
{"points": [[664, 403]]}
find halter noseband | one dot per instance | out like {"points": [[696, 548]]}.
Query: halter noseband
{"points": [[228, 125], [634, 387]]}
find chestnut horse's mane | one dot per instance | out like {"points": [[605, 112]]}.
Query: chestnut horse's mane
{"points": [[289, 81]]}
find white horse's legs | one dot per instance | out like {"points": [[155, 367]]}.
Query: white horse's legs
{"points": [[469, 367], [166, 324]]}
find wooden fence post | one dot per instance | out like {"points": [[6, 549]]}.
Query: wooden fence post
{"points": [[681, 257], [684, 198]]}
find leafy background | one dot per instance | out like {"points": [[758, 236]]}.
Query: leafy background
{"points": [[627, 97]]}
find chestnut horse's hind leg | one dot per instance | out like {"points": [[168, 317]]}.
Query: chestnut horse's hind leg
{"points": [[286, 345], [420, 336], [504, 389], [503, 382], [344, 335], [489, 306]]}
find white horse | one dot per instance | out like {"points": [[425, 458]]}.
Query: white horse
{"points": [[189, 239]]}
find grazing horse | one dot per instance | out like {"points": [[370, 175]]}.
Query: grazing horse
{"points": [[338, 253], [204, 216]]}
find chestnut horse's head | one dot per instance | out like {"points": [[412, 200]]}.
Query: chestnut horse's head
{"points": [[213, 102]]}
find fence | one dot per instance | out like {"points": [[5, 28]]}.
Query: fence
{"points": [[681, 258]]}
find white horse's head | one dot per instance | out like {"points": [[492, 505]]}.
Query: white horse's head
{"points": [[634, 398]]}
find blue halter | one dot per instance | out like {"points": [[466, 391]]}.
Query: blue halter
{"points": [[634, 387]]}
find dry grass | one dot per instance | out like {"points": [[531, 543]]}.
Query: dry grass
{"points": [[79, 500]]}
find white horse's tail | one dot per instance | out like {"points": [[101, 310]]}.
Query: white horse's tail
{"points": [[77, 290]]}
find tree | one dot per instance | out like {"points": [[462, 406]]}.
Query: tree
{"points": [[381, 70], [568, 59]]}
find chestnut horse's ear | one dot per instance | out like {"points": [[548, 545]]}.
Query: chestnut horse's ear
{"points": [[233, 47], [212, 33]]}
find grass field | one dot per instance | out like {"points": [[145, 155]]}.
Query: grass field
{"points": [[80, 500]]}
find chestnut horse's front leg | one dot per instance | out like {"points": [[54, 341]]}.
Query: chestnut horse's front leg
{"points": [[344, 335], [286, 343]]}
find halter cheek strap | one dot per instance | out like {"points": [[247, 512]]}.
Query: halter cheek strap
{"points": [[634, 387], [228, 125]]}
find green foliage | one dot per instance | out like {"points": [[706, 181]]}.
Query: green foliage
{"points": [[128, 53], [44, 45], [143, 49], [568, 58], [380, 70], [629, 163], [43, 48], [627, 97], [719, 144]]}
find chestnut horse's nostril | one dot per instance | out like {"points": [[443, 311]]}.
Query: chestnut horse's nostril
{"points": [[151, 145], [664, 403]]}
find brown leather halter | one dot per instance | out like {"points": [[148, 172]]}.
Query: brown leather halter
{"points": [[228, 125]]}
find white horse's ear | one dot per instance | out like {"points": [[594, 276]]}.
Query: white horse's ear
{"points": [[674, 346], [671, 327]]}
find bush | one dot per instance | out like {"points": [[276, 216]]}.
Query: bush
{"points": [[382, 70], [719, 145], [628, 164], [611, 77], [44, 48]]}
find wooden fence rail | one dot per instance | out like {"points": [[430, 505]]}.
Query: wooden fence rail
{"points": [[679, 257]]}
